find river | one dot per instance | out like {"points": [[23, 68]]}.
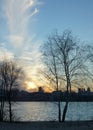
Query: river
{"points": [[48, 111]]}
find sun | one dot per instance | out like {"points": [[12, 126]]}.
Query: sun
{"points": [[30, 85]]}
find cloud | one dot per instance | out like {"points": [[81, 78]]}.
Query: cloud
{"points": [[34, 12], [16, 40], [17, 16], [20, 42], [28, 4], [5, 54]]}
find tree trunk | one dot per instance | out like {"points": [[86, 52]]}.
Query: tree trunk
{"points": [[68, 87], [64, 112], [59, 111], [10, 112], [2, 111], [2, 103]]}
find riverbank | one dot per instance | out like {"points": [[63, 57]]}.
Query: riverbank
{"points": [[73, 125]]}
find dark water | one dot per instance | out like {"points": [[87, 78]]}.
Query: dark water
{"points": [[48, 111]]}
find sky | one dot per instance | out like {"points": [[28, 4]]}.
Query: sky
{"points": [[25, 25], [66, 14]]}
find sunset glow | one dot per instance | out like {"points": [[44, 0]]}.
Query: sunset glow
{"points": [[30, 86]]}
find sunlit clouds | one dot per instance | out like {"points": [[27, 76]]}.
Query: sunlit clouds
{"points": [[19, 42], [30, 86]]}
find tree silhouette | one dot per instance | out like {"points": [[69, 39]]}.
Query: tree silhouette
{"points": [[63, 59], [10, 73]]}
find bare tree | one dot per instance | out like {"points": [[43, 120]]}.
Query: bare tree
{"points": [[2, 101], [51, 72], [10, 73], [88, 49], [66, 52]]}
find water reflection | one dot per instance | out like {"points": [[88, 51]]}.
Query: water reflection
{"points": [[46, 111]]}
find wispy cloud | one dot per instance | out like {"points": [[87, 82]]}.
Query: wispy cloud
{"points": [[16, 40], [18, 14], [4, 52], [34, 12], [27, 4]]}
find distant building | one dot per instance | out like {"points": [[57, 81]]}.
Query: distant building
{"points": [[88, 90], [81, 90], [40, 90]]}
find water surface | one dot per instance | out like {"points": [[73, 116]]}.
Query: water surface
{"points": [[48, 111]]}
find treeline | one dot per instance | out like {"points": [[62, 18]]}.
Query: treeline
{"points": [[22, 95]]}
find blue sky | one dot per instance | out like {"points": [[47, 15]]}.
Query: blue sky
{"points": [[25, 25], [76, 15]]}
